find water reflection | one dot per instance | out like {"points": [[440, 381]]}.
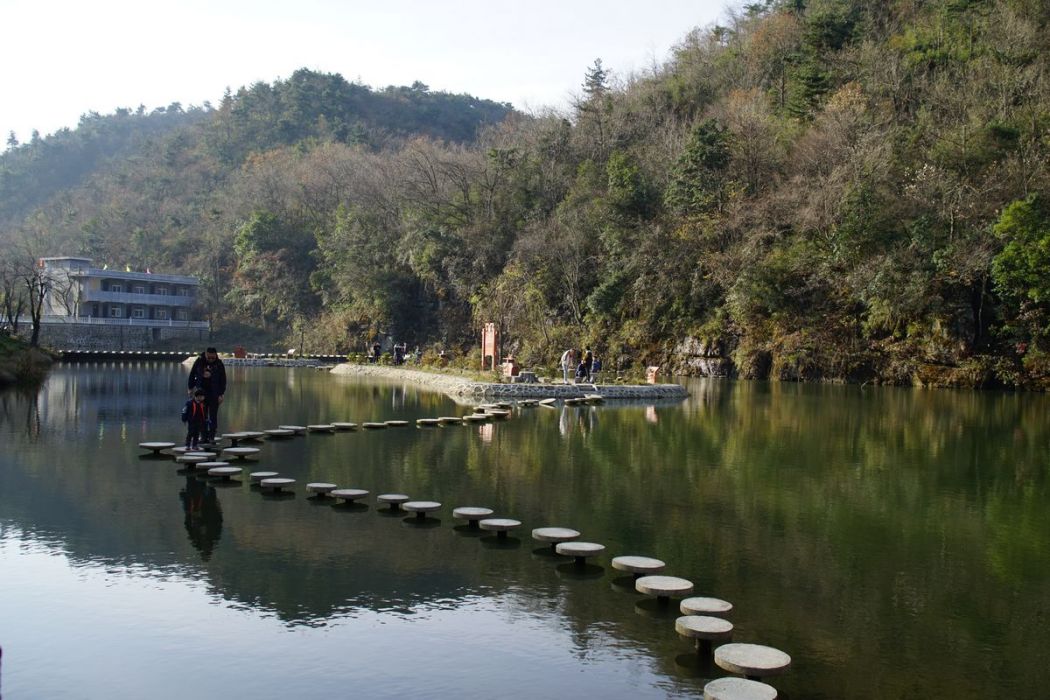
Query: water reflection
{"points": [[203, 519], [855, 528]]}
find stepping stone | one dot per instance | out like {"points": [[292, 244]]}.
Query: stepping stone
{"points": [[449, 420], [477, 418], [579, 550], [705, 606], [320, 488], [554, 535], [753, 661], [498, 413], [501, 526], [211, 465], [200, 453], [421, 508], [256, 435], [180, 450], [259, 476], [704, 630], [156, 447], [224, 473], [240, 452], [276, 483], [471, 514], [593, 398], [663, 587], [639, 566], [393, 499], [397, 423], [348, 495], [733, 688], [373, 426], [550, 401], [191, 459], [297, 429], [279, 433], [428, 422], [321, 428], [345, 426]]}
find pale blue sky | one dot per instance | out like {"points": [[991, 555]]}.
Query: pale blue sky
{"points": [[61, 58]]}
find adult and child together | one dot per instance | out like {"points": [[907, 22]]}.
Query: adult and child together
{"points": [[583, 364], [207, 388]]}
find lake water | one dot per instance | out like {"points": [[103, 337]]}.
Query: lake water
{"points": [[895, 542]]}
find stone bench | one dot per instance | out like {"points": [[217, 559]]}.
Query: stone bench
{"points": [[471, 514], [753, 661], [579, 550], [704, 630]]}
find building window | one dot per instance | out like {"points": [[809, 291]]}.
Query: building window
{"points": [[161, 314], [182, 315], [138, 312], [114, 287], [116, 312], [182, 291], [139, 289], [161, 290]]}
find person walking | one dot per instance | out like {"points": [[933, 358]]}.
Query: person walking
{"points": [[588, 362], [209, 374], [195, 416], [568, 364]]}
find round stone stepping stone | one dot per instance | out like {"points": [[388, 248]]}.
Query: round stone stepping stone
{"points": [[549, 401], [663, 587], [320, 488], [253, 434], [554, 535], [240, 452], [471, 514], [428, 422], [501, 526], [374, 426], [191, 459], [200, 453], [180, 450], [394, 500], [498, 413], [477, 418], [753, 661], [224, 473], [449, 420], [259, 476], [705, 606], [276, 483], [156, 447], [321, 428], [210, 465], [397, 423], [579, 550], [348, 495], [297, 429], [733, 688], [639, 566], [421, 508], [345, 426], [704, 629], [279, 433]]}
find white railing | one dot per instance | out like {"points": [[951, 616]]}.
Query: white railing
{"points": [[146, 322], [135, 298]]}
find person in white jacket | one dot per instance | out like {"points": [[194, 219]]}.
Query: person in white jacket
{"points": [[568, 364]]}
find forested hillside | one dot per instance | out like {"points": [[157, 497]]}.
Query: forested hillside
{"points": [[822, 189]]}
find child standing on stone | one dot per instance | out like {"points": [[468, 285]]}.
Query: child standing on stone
{"points": [[195, 416]]}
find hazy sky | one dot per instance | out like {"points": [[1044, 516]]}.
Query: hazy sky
{"points": [[62, 58]]}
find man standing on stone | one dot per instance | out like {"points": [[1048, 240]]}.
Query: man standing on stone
{"points": [[209, 374]]}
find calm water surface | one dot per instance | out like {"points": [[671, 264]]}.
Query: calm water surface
{"points": [[896, 543]]}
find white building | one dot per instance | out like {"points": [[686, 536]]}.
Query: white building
{"points": [[79, 293]]}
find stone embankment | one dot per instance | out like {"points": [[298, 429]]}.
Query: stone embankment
{"points": [[465, 388]]}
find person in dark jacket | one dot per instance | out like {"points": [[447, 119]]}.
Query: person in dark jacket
{"points": [[208, 373], [195, 416]]}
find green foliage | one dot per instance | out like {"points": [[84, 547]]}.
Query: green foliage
{"points": [[698, 178], [1020, 269]]}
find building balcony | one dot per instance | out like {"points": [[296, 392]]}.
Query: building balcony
{"points": [[95, 273], [141, 322], [89, 295]]}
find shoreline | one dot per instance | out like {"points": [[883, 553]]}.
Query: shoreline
{"points": [[464, 388]]}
